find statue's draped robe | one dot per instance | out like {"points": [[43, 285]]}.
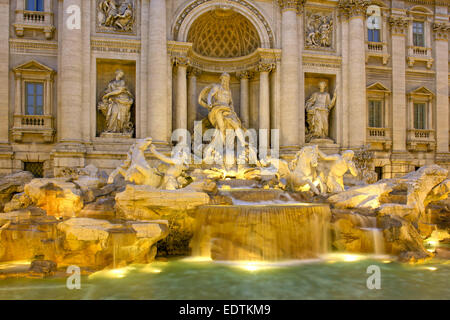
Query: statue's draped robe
{"points": [[318, 109]]}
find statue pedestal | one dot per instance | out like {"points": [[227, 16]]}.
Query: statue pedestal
{"points": [[325, 144], [116, 135]]}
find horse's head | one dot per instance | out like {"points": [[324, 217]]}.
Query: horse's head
{"points": [[308, 154]]}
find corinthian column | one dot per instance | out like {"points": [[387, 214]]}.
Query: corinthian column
{"points": [[264, 97], [289, 75], [354, 11], [244, 110], [157, 122], [181, 98], [441, 30], [399, 28], [70, 77], [193, 73]]}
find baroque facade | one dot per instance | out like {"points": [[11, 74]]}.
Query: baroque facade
{"points": [[81, 79]]}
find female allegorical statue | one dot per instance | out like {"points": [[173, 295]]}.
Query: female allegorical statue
{"points": [[318, 108], [116, 104]]}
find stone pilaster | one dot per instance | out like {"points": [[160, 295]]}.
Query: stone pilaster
{"points": [[290, 118], [4, 71], [157, 123], [441, 31], [399, 29], [244, 97], [354, 11], [193, 74], [70, 77]]}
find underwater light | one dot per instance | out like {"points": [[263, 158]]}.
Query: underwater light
{"points": [[431, 268]]}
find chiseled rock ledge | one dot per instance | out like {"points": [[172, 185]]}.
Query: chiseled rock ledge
{"points": [[145, 202]]}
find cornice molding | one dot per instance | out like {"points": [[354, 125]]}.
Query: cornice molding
{"points": [[441, 30]]}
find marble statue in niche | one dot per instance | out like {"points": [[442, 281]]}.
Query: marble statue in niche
{"points": [[318, 31], [318, 108], [116, 15], [115, 105]]}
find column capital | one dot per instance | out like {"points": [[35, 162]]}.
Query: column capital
{"points": [[266, 66], [193, 71], [399, 25], [247, 74], [181, 61], [353, 8], [441, 30], [295, 5]]}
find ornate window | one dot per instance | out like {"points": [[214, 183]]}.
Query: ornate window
{"points": [[33, 102], [376, 34], [420, 116], [34, 5], [34, 98], [420, 123], [223, 34], [375, 113], [374, 23], [418, 34], [378, 131], [419, 37], [34, 15]]}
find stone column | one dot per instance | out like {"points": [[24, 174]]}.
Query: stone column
{"points": [[181, 97], [245, 98], [193, 73], [399, 29], [157, 123], [18, 96], [441, 30], [355, 12], [70, 77], [289, 131], [264, 98]]}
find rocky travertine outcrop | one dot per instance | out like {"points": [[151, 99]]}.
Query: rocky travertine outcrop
{"points": [[12, 184], [415, 185], [57, 196], [176, 206], [99, 243], [85, 242], [145, 202]]}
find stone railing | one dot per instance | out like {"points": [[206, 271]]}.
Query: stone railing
{"points": [[377, 49], [421, 137], [420, 54], [381, 136], [37, 20], [33, 124]]}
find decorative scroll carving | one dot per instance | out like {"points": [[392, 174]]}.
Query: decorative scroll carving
{"points": [[318, 30], [399, 25], [181, 61], [353, 8], [441, 30], [116, 16]]}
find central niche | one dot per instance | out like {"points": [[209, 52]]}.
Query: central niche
{"points": [[223, 34]]}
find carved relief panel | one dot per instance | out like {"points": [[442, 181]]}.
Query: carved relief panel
{"points": [[117, 16], [319, 30]]}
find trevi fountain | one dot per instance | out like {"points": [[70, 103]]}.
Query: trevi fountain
{"points": [[210, 222]]}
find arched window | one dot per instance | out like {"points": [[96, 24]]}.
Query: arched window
{"points": [[35, 5], [374, 23]]}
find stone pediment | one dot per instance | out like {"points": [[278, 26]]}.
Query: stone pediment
{"points": [[421, 91], [33, 66], [379, 87]]}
